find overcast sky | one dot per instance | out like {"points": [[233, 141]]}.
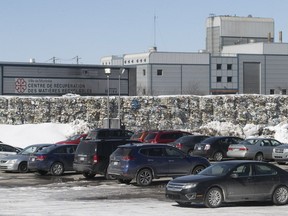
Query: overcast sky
{"points": [[91, 29]]}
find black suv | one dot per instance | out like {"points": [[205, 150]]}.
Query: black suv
{"points": [[92, 157], [108, 133], [215, 148], [146, 162]]}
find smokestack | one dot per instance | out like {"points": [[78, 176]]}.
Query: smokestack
{"points": [[280, 36], [269, 37]]}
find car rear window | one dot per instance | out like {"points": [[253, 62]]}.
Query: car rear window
{"points": [[85, 148], [122, 152]]}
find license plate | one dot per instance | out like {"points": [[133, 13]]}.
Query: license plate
{"points": [[81, 158], [33, 159], [115, 163], [199, 148]]}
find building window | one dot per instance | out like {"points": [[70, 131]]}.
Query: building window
{"points": [[229, 79], [159, 72], [229, 66], [144, 72], [284, 92], [218, 66], [271, 91], [218, 79], [144, 91]]}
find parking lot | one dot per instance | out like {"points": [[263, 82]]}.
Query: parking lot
{"points": [[72, 194]]}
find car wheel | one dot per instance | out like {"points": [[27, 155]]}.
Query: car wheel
{"points": [[280, 195], [213, 198], [197, 169], [89, 175], [57, 169], [259, 157], [23, 168], [144, 177], [124, 181], [218, 156], [42, 172]]}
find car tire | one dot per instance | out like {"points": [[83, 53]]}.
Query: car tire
{"points": [[144, 177], [213, 198], [89, 175], [280, 195], [218, 156], [124, 181], [57, 169], [197, 169], [23, 167], [42, 172], [259, 157]]}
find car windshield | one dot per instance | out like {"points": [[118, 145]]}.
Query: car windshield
{"points": [[75, 137], [218, 169], [32, 149]]}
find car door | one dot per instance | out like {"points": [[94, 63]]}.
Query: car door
{"points": [[155, 158], [66, 155], [240, 187], [264, 178], [177, 162]]}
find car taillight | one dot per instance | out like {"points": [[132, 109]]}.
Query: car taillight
{"points": [[207, 147], [152, 141], [95, 158], [179, 145], [41, 157], [127, 158], [243, 149]]}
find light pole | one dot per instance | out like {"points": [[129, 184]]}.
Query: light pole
{"points": [[119, 89], [108, 72]]}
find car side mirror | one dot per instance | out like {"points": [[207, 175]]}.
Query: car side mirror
{"points": [[234, 175]]}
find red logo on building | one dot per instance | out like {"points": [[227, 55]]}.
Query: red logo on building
{"points": [[20, 85]]}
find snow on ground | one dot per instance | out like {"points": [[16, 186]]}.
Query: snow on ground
{"points": [[66, 201], [27, 134]]}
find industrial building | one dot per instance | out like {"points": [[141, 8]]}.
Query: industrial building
{"points": [[241, 56], [39, 79]]}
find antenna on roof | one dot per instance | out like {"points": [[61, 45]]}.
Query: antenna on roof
{"points": [[155, 17]]}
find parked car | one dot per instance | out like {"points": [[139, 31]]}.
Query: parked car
{"points": [[108, 133], [164, 136], [55, 159], [75, 139], [231, 181], [253, 148], [19, 162], [146, 162], [280, 154], [6, 150], [215, 148], [92, 157], [187, 143], [140, 135]]}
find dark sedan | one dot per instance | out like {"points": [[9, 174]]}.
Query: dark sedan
{"points": [[215, 148], [55, 159], [231, 181]]}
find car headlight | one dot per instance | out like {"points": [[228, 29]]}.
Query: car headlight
{"points": [[285, 150], [12, 161], [190, 185]]}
